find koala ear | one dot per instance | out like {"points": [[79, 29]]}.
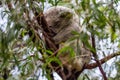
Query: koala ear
{"points": [[66, 15]]}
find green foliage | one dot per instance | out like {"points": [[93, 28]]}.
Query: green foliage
{"points": [[54, 2], [118, 71], [17, 49], [67, 49]]}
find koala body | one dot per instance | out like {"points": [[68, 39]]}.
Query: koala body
{"points": [[63, 21]]}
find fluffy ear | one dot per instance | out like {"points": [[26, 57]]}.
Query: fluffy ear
{"points": [[66, 15]]}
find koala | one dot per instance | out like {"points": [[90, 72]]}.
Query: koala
{"points": [[63, 21]]}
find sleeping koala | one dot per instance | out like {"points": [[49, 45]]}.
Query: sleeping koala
{"points": [[63, 21]]}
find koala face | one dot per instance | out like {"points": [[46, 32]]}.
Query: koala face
{"points": [[60, 17]]}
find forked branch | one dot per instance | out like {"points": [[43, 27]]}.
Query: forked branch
{"points": [[102, 61]]}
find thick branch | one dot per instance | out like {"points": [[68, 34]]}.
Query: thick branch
{"points": [[96, 58], [105, 59]]}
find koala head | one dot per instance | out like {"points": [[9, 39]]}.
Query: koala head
{"points": [[59, 17]]}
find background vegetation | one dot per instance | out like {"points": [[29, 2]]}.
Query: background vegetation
{"points": [[21, 43]]}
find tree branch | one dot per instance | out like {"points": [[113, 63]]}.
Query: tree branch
{"points": [[48, 34], [102, 61], [96, 58]]}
